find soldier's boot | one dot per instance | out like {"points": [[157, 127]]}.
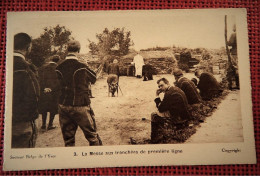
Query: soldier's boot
{"points": [[50, 126], [99, 140], [95, 142], [44, 117]]}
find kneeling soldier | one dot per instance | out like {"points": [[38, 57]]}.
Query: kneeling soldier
{"points": [[173, 108]]}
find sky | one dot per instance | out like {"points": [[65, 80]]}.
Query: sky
{"points": [[184, 28]]}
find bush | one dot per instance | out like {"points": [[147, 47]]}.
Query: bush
{"points": [[184, 67]]}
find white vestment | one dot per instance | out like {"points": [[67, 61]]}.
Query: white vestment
{"points": [[139, 62]]}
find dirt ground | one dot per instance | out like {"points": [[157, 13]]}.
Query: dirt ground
{"points": [[128, 116], [225, 125]]}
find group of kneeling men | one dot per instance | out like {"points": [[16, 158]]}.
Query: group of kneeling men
{"points": [[177, 99]]}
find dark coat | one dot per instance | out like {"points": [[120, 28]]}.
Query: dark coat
{"points": [[74, 77], [48, 79], [148, 72], [233, 43], [176, 103], [113, 69], [25, 91], [208, 86], [233, 63], [190, 90]]}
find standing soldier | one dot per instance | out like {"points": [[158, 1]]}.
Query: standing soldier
{"points": [[49, 85], [113, 68], [113, 77], [232, 71], [25, 95], [74, 102]]}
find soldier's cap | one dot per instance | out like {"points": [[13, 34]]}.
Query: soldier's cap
{"points": [[177, 72]]}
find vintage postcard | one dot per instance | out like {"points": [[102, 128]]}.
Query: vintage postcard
{"points": [[127, 88]]}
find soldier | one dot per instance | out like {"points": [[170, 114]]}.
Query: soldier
{"points": [[113, 68], [147, 72], [25, 95], [74, 102], [187, 86], [232, 70], [49, 85], [173, 108], [208, 85], [113, 77]]}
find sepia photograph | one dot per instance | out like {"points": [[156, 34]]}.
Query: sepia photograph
{"points": [[128, 85]]}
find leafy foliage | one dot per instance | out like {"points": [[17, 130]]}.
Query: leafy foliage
{"points": [[52, 41], [115, 42]]}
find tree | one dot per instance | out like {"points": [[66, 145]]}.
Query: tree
{"points": [[115, 42], [52, 41]]}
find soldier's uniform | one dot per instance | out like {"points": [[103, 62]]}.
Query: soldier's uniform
{"points": [[74, 102], [174, 102], [25, 103], [113, 77], [188, 87], [147, 72], [48, 101], [208, 86], [113, 68], [232, 70]]}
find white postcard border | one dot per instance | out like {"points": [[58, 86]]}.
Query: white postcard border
{"points": [[179, 154]]}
